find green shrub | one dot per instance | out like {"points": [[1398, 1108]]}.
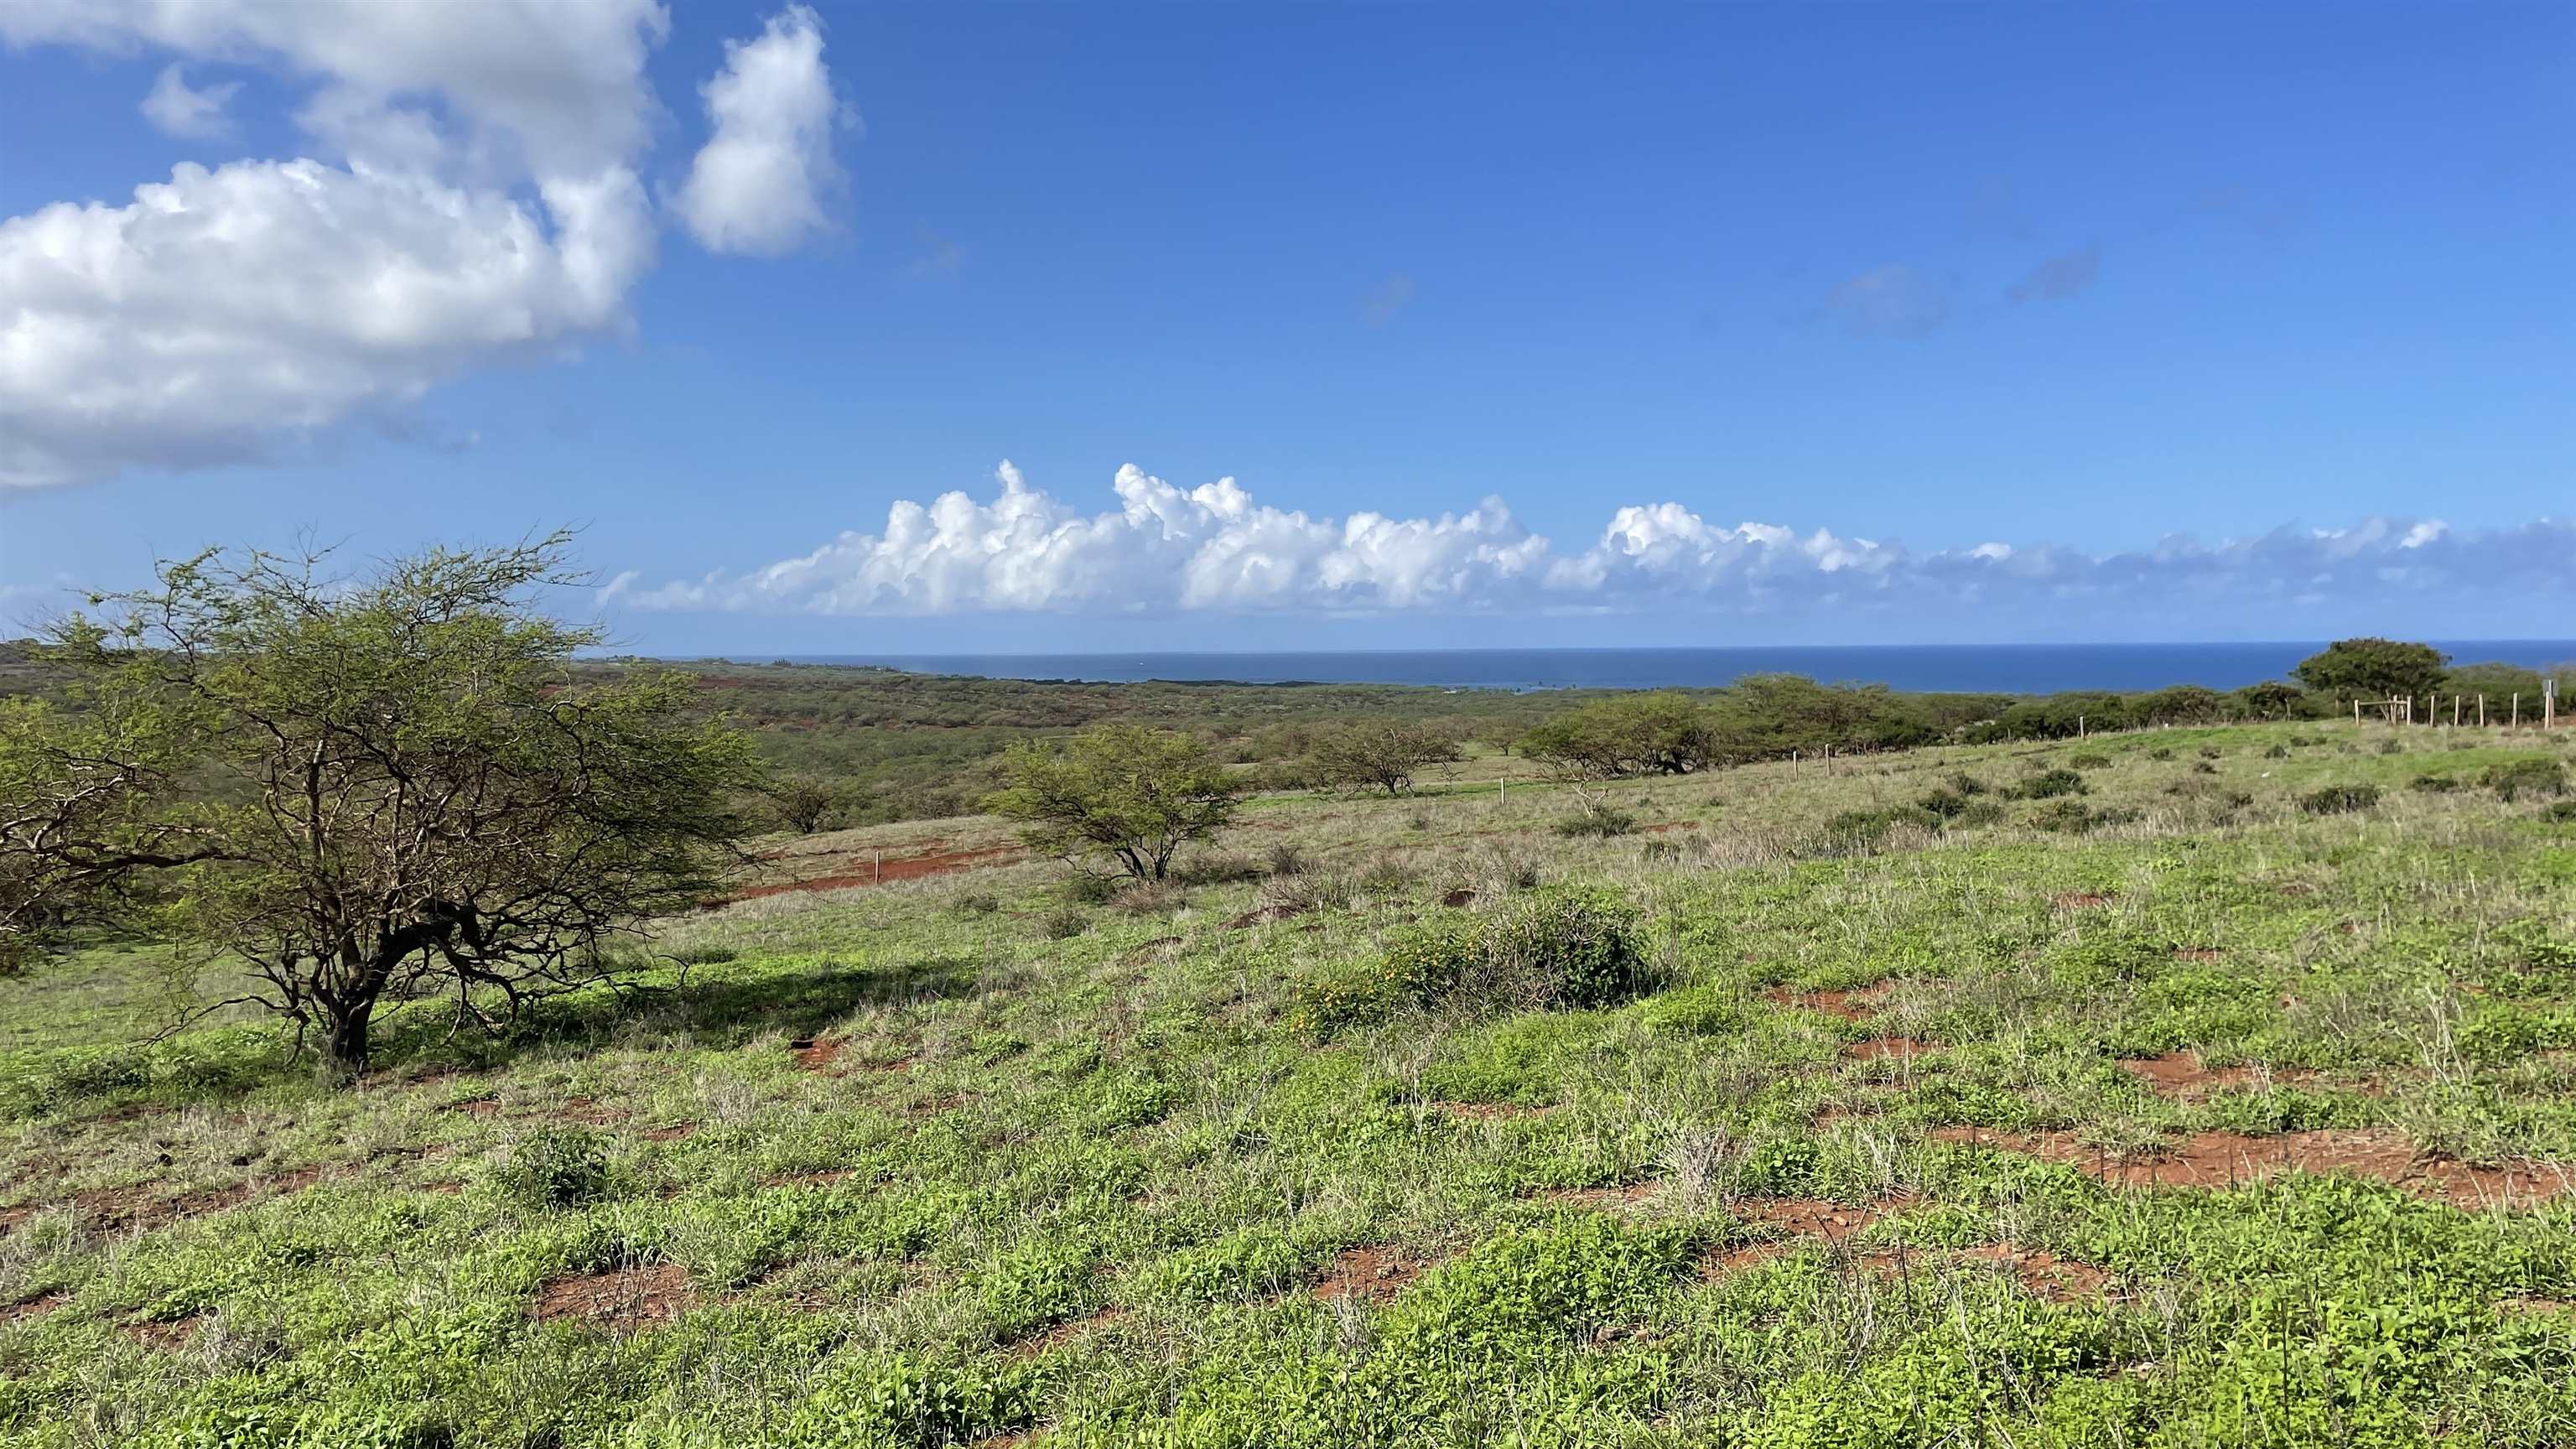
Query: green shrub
{"points": [[2051, 785], [1599, 820], [2209, 752], [2162, 752], [2089, 761], [2434, 784], [2535, 777], [1285, 858], [1427, 962], [555, 1167], [1967, 784], [704, 955], [2203, 767], [1327, 1003], [914, 1403], [1064, 923], [1083, 888], [1216, 868], [1567, 947], [2065, 817], [1858, 832], [1979, 812], [2563, 812], [2339, 799], [2277, 752]]}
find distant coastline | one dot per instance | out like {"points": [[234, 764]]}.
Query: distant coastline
{"points": [[1944, 668]]}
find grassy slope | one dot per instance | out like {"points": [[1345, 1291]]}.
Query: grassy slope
{"points": [[1089, 1185]]}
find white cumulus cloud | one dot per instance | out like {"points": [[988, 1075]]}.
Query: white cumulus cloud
{"points": [[473, 199], [1215, 548], [760, 182]]}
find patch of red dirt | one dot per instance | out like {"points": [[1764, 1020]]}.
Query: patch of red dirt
{"points": [[1462, 896], [137, 1207], [1902, 1048], [2180, 1075], [1370, 1274], [1860, 1003], [477, 1107], [33, 1307], [1800, 1219], [2059, 1280], [1606, 1198], [2079, 900], [910, 867], [2230, 1159], [584, 1110], [1261, 914], [673, 1133], [815, 1054], [623, 1299], [1667, 825], [166, 1336]]}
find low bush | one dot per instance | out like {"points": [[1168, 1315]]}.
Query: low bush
{"points": [[2435, 784], [2073, 817], [978, 903], [1859, 832], [2050, 785], [2160, 752], [1064, 923], [555, 1167], [2339, 799], [2277, 752], [1216, 868], [1086, 889], [1285, 858], [2089, 762], [1565, 948], [2203, 767], [1597, 820], [2535, 777], [1560, 949]]}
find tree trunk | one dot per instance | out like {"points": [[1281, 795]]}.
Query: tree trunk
{"points": [[344, 1051]]}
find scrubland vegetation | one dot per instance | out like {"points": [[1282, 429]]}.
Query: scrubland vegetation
{"points": [[2206, 1086], [1776, 1066]]}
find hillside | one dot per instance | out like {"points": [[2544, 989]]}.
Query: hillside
{"points": [[2155, 1107]]}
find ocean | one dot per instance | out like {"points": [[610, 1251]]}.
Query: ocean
{"points": [[1971, 668]]}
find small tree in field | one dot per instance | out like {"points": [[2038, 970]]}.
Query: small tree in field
{"points": [[2373, 669], [1383, 755], [804, 803], [1125, 792], [362, 790]]}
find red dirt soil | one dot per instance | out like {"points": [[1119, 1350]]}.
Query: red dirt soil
{"points": [[1261, 914], [625, 1298], [1903, 1049], [1609, 1199], [2181, 1076], [2228, 1159], [815, 1054], [1801, 1218], [1368, 1275], [857, 872], [2060, 1280], [1860, 1003]]}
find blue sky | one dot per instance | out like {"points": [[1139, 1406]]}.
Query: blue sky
{"points": [[2067, 285]]}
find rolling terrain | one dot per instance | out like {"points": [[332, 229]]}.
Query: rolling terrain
{"points": [[2179, 1087]]}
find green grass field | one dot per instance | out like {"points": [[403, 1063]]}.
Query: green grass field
{"points": [[2198, 1119]]}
